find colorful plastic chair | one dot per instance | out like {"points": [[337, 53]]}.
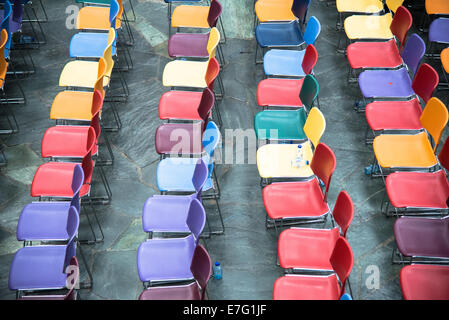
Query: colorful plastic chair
{"points": [[445, 66], [279, 160], [292, 63], [361, 7], [302, 201], [169, 259], [287, 124], [437, 7], [170, 4], [307, 248], [420, 192], [438, 33], [329, 287], [201, 270], [275, 10], [425, 282], [398, 151], [108, 2]]}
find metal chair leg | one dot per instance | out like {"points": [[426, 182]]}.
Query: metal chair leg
{"points": [[89, 284]]}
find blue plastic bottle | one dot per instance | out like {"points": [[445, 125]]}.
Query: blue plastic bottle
{"points": [[218, 273]]}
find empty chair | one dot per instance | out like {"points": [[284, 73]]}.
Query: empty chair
{"points": [[276, 10], [328, 287], [438, 34], [170, 4], [201, 270], [437, 7], [357, 6], [302, 201], [192, 45], [425, 282], [308, 248]]}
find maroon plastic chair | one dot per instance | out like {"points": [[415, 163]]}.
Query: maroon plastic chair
{"points": [[201, 268]]}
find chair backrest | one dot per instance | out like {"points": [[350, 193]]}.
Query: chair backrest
{"points": [[107, 54], [200, 175], [434, 119], [97, 105], [393, 5], [309, 91], [401, 24], [77, 183], [413, 52], [114, 9], [425, 82], [17, 11], [215, 10], [121, 9], [210, 140], [3, 62], [343, 212], [196, 218], [443, 156], [310, 59], [213, 69], [87, 164], [73, 221], [206, 104], [445, 59], [323, 165], [313, 30], [100, 77], [7, 11], [201, 268], [315, 126], [342, 261], [299, 10], [212, 43]]}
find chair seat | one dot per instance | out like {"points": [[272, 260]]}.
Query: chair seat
{"points": [[359, 6], [394, 115], [190, 17], [306, 248], [422, 237], [44, 221], [275, 161], [14, 25], [95, 18], [373, 55], [279, 92], [66, 141], [439, 30], [40, 267], [401, 151], [386, 83], [269, 10], [89, 45], [166, 259], [175, 175], [73, 105], [418, 189], [300, 287], [180, 105], [437, 7], [368, 27], [284, 63], [179, 138], [188, 45], [80, 73], [54, 179], [181, 73], [166, 214], [425, 282], [184, 292], [287, 124], [294, 200], [279, 34]]}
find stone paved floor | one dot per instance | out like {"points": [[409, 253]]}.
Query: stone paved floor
{"points": [[247, 251]]}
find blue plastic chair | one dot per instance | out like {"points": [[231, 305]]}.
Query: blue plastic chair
{"points": [[283, 34], [346, 296], [93, 44], [278, 62], [7, 11]]}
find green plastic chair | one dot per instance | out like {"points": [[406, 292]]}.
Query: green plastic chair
{"points": [[287, 124], [107, 3]]}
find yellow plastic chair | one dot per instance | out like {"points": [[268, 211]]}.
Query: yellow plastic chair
{"points": [[358, 6], [274, 10], [97, 17], [81, 73], [277, 160], [396, 151]]}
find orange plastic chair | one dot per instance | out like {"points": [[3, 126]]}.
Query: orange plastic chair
{"points": [[437, 7], [445, 64], [97, 17], [274, 10]]}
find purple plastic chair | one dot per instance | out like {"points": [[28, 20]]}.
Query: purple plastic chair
{"points": [[394, 83], [41, 267], [201, 269], [168, 213], [426, 238], [438, 33], [169, 259], [52, 220]]}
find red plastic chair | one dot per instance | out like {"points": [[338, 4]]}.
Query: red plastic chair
{"points": [[420, 191], [363, 55], [73, 141], [303, 201], [308, 248], [425, 282], [201, 269], [285, 92], [306, 287]]}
